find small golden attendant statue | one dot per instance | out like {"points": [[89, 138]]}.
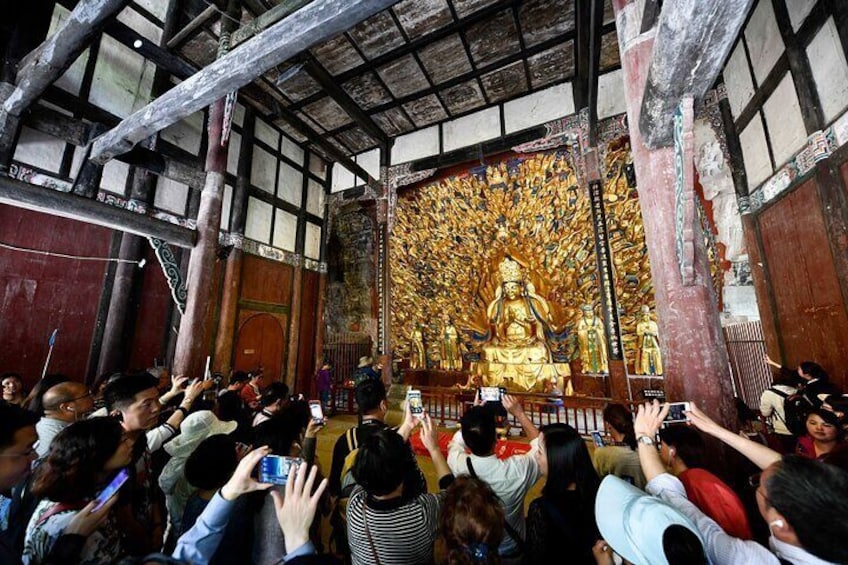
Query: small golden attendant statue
{"points": [[591, 338], [648, 356], [449, 348], [418, 352]]}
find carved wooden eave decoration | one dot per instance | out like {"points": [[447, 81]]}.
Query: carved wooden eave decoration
{"points": [[684, 188]]}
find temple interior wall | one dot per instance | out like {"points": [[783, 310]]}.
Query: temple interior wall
{"points": [[787, 88], [284, 224]]}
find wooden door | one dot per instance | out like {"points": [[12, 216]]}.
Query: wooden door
{"points": [[261, 342]]}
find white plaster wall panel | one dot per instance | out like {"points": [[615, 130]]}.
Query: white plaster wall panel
{"points": [[258, 221], [39, 150], [740, 301], [292, 150], [755, 152], [798, 11], [266, 133], [538, 108], [114, 179], [238, 115], [171, 196], [317, 166], [784, 121], [285, 230], [737, 78], [370, 161], [263, 170], [315, 198], [71, 80], [158, 8], [122, 80], [611, 99], [764, 41], [142, 25], [342, 178], [312, 243], [233, 153], [186, 134], [471, 129], [830, 70], [290, 185], [226, 207], [416, 145]]}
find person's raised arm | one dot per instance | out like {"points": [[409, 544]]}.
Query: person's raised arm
{"points": [[409, 423], [296, 512], [649, 418], [199, 544], [192, 391], [759, 454], [177, 384], [513, 406], [430, 439]]}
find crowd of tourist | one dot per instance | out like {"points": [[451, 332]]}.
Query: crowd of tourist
{"points": [[190, 456]]}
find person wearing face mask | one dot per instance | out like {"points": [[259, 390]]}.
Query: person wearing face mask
{"points": [[64, 404], [804, 502]]}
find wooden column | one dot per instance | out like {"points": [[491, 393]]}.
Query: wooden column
{"points": [[222, 361], [294, 324], [190, 346], [697, 367]]}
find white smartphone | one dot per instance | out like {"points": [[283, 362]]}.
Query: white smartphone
{"points": [[316, 411], [416, 406], [491, 394], [597, 438], [677, 412]]}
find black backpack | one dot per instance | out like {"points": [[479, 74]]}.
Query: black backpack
{"points": [[795, 410]]}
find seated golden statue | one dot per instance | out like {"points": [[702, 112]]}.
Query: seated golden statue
{"points": [[517, 353]]}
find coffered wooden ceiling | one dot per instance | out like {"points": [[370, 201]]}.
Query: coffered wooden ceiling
{"points": [[417, 64]]}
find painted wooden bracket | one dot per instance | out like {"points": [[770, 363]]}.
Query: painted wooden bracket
{"points": [[684, 188]]}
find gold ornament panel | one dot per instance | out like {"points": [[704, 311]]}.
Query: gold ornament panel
{"points": [[632, 269]]}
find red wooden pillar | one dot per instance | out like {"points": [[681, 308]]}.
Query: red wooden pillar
{"points": [[697, 367]]}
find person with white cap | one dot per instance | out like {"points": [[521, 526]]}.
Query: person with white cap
{"points": [[643, 529], [195, 428]]}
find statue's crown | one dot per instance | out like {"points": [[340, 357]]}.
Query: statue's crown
{"points": [[510, 271]]}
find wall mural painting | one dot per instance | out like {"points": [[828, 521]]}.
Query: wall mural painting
{"points": [[350, 277]]}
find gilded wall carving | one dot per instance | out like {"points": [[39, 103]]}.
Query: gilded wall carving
{"points": [[450, 235]]}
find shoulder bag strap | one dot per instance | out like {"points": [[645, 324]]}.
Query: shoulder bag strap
{"points": [[368, 533], [507, 526]]}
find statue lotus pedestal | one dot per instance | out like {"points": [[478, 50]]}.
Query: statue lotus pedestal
{"points": [[526, 377]]}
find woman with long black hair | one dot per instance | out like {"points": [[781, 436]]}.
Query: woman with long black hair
{"points": [[561, 523]]}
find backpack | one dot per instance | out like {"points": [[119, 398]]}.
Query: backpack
{"points": [[795, 410], [338, 519]]}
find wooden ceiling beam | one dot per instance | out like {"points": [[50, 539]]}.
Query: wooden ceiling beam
{"points": [[67, 205], [317, 22], [192, 26], [692, 43], [265, 20]]}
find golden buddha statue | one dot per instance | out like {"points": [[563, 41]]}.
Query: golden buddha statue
{"points": [[592, 342], [517, 352], [418, 357], [648, 354], [449, 347]]}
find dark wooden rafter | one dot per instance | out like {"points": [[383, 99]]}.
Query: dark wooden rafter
{"points": [[692, 43], [459, 25], [162, 58], [195, 24], [343, 99], [317, 22], [266, 19], [55, 203]]}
